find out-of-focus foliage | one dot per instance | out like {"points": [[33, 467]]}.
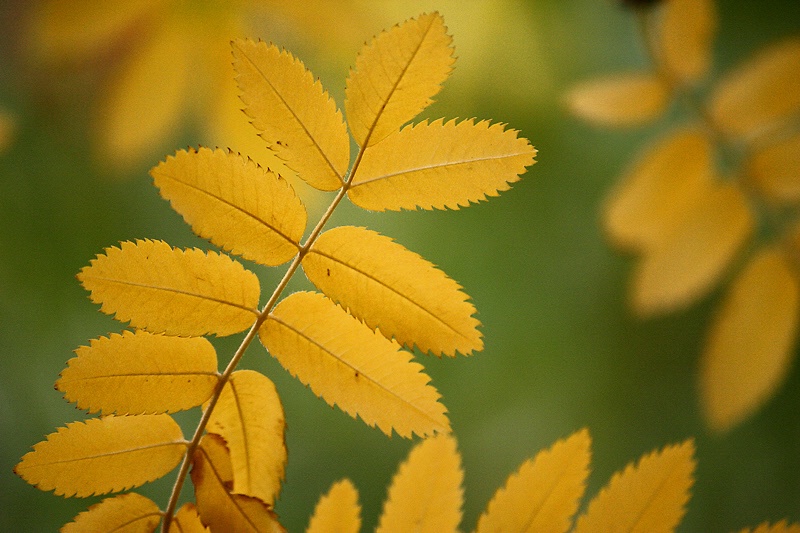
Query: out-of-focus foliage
{"points": [[693, 201]]}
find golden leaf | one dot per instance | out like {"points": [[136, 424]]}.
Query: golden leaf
{"points": [[178, 292], [145, 100], [620, 100], [186, 520], [781, 527], [440, 165], [219, 509], [347, 364], [543, 494], [396, 76], [686, 35], [295, 116], [686, 264], [426, 494], [750, 345], [763, 91], [249, 416], [126, 513], [139, 372], [393, 289], [104, 455], [234, 203], [667, 181], [649, 497], [775, 169], [337, 511]]}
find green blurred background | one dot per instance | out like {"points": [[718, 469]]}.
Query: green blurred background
{"points": [[562, 350]]}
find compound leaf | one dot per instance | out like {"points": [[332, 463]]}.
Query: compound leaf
{"points": [[126, 513], [649, 497], [337, 511], [750, 345], [543, 494], [104, 455], [347, 364], [219, 509], [295, 116], [178, 292], [396, 76], [683, 266], [249, 416], [440, 165], [393, 289], [686, 34], [136, 373], [234, 203], [620, 100], [426, 494]]}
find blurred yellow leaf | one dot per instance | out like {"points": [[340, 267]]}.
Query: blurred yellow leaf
{"points": [[139, 372], [235, 204], [543, 494], [686, 34], [186, 520], [396, 76], [337, 511], [750, 345], [249, 416], [440, 165], [685, 264], [126, 513], [655, 196], [775, 169], [620, 100], [649, 497], [781, 527], [178, 292], [219, 509], [426, 494], [760, 93], [294, 114], [393, 289], [104, 455], [347, 364]]}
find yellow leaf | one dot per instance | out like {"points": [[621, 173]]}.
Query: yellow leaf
{"points": [[751, 342], [104, 455], [396, 76], [337, 511], [347, 364], [178, 292], [139, 372], [543, 494], [780, 527], [655, 196], [620, 100], [647, 498], [763, 91], [186, 520], [219, 509], [295, 116], [776, 170], [126, 513], [690, 260], [426, 494], [145, 100], [440, 165], [234, 203], [393, 289], [249, 416], [686, 35]]}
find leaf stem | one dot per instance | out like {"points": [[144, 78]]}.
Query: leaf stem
{"points": [[237, 356]]}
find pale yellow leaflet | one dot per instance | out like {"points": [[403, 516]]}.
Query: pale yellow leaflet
{"points": [[337, 511], [126, 513], [685, 37], [620, 100]]}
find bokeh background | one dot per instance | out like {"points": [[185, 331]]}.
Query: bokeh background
{"points": [[563, 351]]}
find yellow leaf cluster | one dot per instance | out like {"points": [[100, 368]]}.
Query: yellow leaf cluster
{"points": [[689, 221], [344, 342]]}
